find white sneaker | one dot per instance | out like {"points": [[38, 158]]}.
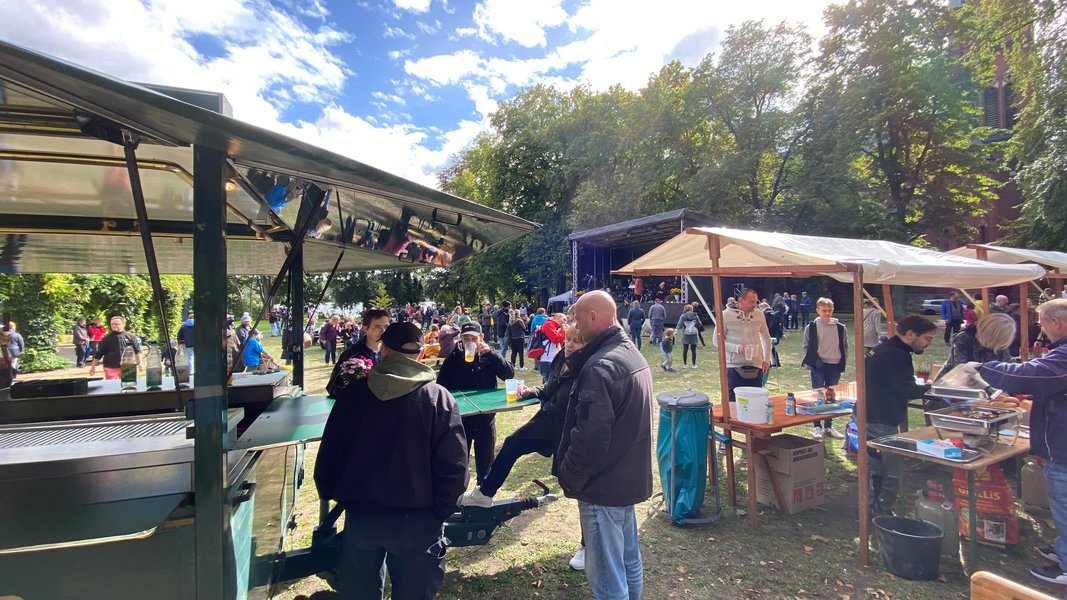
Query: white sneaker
{"points": [[830, 431], [578, 561], [816, 432], [476, 498]]}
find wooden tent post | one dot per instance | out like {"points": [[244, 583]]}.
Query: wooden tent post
{"points": [[983, 254], [1024, 322], [724, 386], [861, 413], [891, 321]]}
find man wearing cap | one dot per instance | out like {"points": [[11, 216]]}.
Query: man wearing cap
{"points": [[244, 328], [480, 374], [393, 454]]}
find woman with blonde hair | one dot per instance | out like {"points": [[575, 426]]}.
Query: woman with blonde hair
{"points": [[986, 340]]}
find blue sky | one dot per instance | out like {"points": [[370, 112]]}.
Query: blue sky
{"points": [[399, 84]]}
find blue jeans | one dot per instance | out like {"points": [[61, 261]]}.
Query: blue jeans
{"points": [[504, 341], [635, 335], [612, 554], [668, 359], [657, 332], [544, 367], [331, 352], [275, 329], [825, 376], [189, 354], [1056, 475]]}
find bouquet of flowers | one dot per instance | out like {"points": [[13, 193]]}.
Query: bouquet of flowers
{"points": [[354, 368]]}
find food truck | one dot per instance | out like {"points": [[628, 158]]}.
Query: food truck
{"points": [[183, 492]]}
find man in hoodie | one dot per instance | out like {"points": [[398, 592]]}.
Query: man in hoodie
{"points": [[825, 351], [604, 458], [481, 373], [187, 336], [394, 456], [1045, 380]]}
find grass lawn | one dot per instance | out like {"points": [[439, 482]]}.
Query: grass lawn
{"points": [[810, 555]]}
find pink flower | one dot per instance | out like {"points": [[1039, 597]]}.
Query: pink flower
{"points": [[354, 368]]}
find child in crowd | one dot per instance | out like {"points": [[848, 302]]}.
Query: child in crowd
{"points": [[667, 348]]}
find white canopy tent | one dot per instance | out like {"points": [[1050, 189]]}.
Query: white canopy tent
{"points": [[718, 252], [566, 298]]}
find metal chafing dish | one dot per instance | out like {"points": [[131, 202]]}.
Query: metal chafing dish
{"points": [[978, 423], [960, 385]]}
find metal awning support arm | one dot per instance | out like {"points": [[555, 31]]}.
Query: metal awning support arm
{"points": [[129, 146]]}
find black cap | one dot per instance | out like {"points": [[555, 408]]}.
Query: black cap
{"points": [[469, 328], [403, 337], [506, 304]]}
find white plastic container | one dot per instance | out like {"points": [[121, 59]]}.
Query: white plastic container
{"points": [[752, 404]]}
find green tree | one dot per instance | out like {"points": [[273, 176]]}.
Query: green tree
{"points": [[35, 303], [381, 298], [905, 112], [350, 289], [1030, 37], [750, 89]]}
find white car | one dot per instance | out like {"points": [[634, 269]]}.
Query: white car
{"points": [[931, 307]]}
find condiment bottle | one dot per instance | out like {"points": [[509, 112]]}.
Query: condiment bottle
{"points": [[790, 404]]}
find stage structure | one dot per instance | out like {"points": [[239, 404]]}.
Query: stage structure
{"points": [[596, 252]]}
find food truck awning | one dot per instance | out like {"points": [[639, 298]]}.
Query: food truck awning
{"points": [[1009, 256], [759, 253], [63, 173]]}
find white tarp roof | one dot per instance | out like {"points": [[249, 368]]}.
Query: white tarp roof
{"points": [[882, 262], [1010, 256], [567, 297]]}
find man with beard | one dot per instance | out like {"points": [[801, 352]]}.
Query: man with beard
{"points": [[890, 384]]}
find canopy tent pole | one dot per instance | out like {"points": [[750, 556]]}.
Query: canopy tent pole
{"points": [[724, 386], [209, 405], [296, 313], [326, 286], [1056, 281], [692, 284], [982, 254], [1024, 323], [129, 146], [874, 301], [891, 320], [859, 355]]}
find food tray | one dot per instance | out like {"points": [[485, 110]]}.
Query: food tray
{"points": [[975, 419], [911, 446]]}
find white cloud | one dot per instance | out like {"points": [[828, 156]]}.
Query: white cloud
{"points": [[391, 32], [521, 22], [444, 68], [418, 6]]}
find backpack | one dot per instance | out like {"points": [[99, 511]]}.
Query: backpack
{"points": [[690, 328], [537, 345]]}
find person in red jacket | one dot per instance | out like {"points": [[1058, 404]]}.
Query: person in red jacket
{"points": [[97, 331], [555, 337]]}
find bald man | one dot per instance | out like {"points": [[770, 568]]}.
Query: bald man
{"points": [[605, 456]]}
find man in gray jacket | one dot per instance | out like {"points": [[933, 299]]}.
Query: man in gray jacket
{"points": [[657, 314], [605, 455]]}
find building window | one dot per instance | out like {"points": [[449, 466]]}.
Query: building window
{"points": [[1010, 109], [990, 104]]}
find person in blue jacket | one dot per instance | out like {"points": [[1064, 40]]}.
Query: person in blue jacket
{"points": [[1045, 380], [635, 319], [254, 353], [952, 313]]}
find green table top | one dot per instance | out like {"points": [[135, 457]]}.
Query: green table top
{"points": [[294, 420]]}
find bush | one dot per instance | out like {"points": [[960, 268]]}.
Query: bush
{"points": [[34, 361]]}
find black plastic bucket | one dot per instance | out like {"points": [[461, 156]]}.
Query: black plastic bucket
{"points": [[910, 549]]}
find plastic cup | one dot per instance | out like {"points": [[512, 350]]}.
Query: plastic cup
{"points": [[468, 351], [511, 389], [750, 351]]}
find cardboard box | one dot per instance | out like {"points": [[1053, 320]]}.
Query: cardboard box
{"points": [[939, 448], [800, 468]]}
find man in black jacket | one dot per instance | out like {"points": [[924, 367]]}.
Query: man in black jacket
{"points": [[393, 454], [890, 384], [481, 373], [369, 346], [604, 458]]}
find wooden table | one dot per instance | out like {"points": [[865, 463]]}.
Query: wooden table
{"points": [[756, 437], [998, 452]]}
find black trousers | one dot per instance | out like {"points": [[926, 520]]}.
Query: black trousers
{"points": [[952, 327], [513, 449], [518, 349], [409, 544], [481, 433]]}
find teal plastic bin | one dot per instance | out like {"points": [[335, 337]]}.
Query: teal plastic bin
{"points": [[682, 453]]}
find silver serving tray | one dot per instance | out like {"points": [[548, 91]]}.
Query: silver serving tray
{"points": [[911, 446], [975, 419]]}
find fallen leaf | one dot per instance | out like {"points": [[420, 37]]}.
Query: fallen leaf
{"points": [[538, 583], [523, 542], [808, 549], [819, 538], [712, 539], [844, 597]]}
